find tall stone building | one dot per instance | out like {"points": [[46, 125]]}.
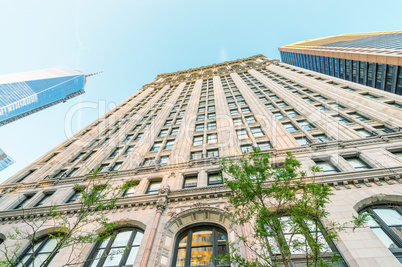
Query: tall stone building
{"points": [[373, 59], [170, 136]]}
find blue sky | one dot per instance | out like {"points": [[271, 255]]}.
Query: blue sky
{"points": [[133, 41]]}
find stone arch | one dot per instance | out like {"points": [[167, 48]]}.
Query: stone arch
{"points": [[377, 199], [185, 219], [125, 223]]}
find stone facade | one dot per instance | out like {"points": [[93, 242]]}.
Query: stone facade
{"points": [[182, 123]]}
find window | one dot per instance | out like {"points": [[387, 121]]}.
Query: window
{"points": [[164, 160], [154, 187], [198, 140], [359, 117], [211, 108], [357, 163], [72, 173], [118, 250], [292, 113], [326, 167], [103, 167], [163, 133], [78, 157], [203, 242], [74, 196], [129, 192], [115, 152], [117, 166], [174, 131], [245, 110], [278, 115], [242, 134], [386, 222], [190, 181], [306, 125], [303, 141], [212, 138], [246, 148], [237, 121], [383, 130], [211, 125], [214, 178], [179, 121], [199, 127], [289, 126], [363, 132], [169, 144], [148, 161], [168, 122], [341, 119], [232, 104], [264, 146], [41, 249], [257, 132], [322, 108], [138, 137], [128, 150], [270, 106], [211, 115], [196, 155], [282, 104], [156, 146], [43, 199], [321, 138], [250, 119], [200, 117], [201, 109], [337, 106], [23, 201], [212, 153], [60, 174]]}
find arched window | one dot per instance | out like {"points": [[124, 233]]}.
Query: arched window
{"points": [[35, 255], [119, 250], [198, 246], [386, 223]]}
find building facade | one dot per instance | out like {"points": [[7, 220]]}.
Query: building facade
{"points": [[28, 92], [372, 59], [169, 137]]}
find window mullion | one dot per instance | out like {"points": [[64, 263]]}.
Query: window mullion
{"points": [[188, 248], [106, 251], [130, 246], [391, 234]]}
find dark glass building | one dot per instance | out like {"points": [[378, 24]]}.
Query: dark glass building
{"points": [[372, 59]]}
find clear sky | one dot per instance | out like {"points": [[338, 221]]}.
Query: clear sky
{"points": [[132, 41]]}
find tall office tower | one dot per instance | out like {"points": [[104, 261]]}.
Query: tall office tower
{"points": [[169, 137], [24, 93], [5, 160], [373, 59]]}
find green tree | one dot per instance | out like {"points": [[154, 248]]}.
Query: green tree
{"points": [[285, 209], [97, 194]]}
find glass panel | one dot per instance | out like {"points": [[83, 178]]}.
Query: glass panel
{"points": [[384, 238], [114, 257], [97, 257], [121, 239], [39, 260], [201, 256], [49, 246], [202, 238], [132, 256], [138, 238], [397, 230], [181, 256], [104, 243], [389, 216]]}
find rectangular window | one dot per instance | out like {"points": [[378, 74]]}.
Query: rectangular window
{"points": [[363, 132], [164, 160], [357, 163], [128, 150], [74, 196], [278, 115], [321, 138], [282, 104], [190, 181], [200, 117], [212, 138], [306, 125], [103, 167], [138, 137], [292, 113], [115, 152], [250, 119], [211, 125], [179, 121], [199, 127], [214, 178], [326, 167], [211, 108], [246, 148], [23, 201], [245, 110], [43, 200], [201, 109], [174, 131], [237, 121], [72, 173], [212, 153], [154, 187], [341, 119], [148, 161], [336, 105], [196, 155], [130, 191], [128, 138], [78, 157], [322, 108], [264, 146], [211, 115], [359, 117], [303, 141], [270, 106], [163, 133], [242, 134], [117, 166], [198, 140], [168, 122], [289, 126], [169, 144], [257, 132], [60, 174], [156, 146]]}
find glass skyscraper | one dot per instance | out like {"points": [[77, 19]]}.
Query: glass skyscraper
{"points": [[372, 59], [24, 93]]}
